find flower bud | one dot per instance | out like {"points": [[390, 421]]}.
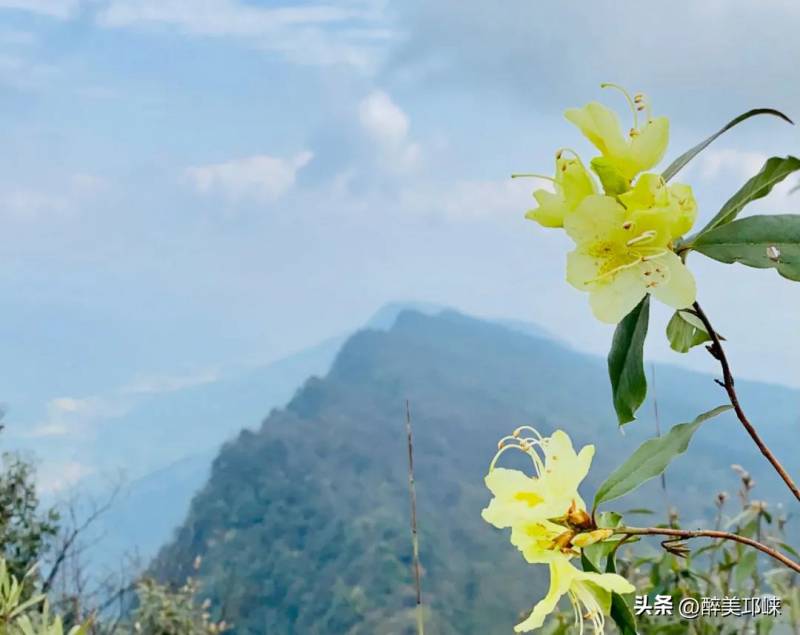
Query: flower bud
{"points": [[586, 539], [579, 518]]}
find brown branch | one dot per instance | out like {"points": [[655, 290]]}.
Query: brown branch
{"points": [[716, 350], [709, 533], [72, 536], [415, 539]]}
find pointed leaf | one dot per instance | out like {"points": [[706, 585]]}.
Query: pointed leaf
{"points": [[684, 332], [687, 156], [746, 567], [774, 171], [626, 362], [788, 548], [651, 458], [757, 241]]}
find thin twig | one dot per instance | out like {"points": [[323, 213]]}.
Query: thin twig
{"points": [[658, 423], [709, 533], [412, 490], [718, 353]]}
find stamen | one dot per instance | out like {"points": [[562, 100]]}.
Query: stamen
{"points": [[630, 101], [502, 441], [499, 453], [615, 271], [517, 432], [644, 237], [570, 150], [655, 255], [576, 603], [643, 103], [532, 175], [576, 611], [524, 445]]}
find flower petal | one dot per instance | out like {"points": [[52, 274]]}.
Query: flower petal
{"points": [[564, 469], [648, 147], [517, 498], [679, 290], [683, 198], [582, 269], [551, 210], [601, 126], [535, 540], [609, 581], [597, 218], [562, 573], [614, 299]]}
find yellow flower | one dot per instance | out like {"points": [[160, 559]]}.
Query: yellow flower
{"points": [[589, 593], [549, 523], [622, 155], [674, 204], [572, 183], [621, 255], [519, 498]]}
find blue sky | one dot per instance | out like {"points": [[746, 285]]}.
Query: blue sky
{"points": [[191, 185]]}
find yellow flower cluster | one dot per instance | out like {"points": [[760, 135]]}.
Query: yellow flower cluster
{"points": [[623, 235], [550, 525]]}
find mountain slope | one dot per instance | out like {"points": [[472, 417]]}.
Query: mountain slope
{"points": [[303, 525], [173, 437]]}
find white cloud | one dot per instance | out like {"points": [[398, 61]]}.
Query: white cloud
{"points": [[383, 119], [260, 177], [388, 126], [14, 37], [72, 415], [159, 384], [219, 17], [55, 478], [341, 33], [23, 203], [24, 74], [739, 163], [469, 199], [52, 8]]}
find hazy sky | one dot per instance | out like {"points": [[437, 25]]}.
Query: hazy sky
{"points": [[191, 184]]}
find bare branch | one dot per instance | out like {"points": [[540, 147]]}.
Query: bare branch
{"points": [[718, 353], [686, 534]]}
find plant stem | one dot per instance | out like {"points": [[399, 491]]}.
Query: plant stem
{"points": [[412, 490], [718, 353], [709, 533]]}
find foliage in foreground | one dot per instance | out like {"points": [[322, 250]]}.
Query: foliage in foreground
{"points": [[630, 244]]}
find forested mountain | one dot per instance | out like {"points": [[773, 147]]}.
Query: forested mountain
{"points": [[303, 524], [147, 509]]}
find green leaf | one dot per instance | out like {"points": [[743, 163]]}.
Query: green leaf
{"points": [[757, 241], [788, 548], [626, 362], [638, 510], [774, 171], [621, 611], [687, 156], [746, 567], [685, 331], [600, 550], [651, 458]]}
